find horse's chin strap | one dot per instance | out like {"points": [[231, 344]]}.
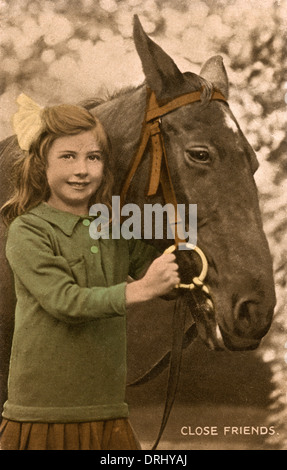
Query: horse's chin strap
{"points": [[160, 175]]}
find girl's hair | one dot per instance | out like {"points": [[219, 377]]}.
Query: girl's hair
{"points": [[29, 172]]}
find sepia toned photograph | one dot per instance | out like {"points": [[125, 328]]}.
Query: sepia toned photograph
{"points": [[143, 182]]}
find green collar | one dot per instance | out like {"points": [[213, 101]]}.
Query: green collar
{"points": [[64, 220]]}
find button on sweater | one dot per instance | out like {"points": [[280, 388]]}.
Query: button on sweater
{"points": [[68, 359]]}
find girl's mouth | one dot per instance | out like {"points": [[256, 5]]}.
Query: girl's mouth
{"points": [[78, 184]]}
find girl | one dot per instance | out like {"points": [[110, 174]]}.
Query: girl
{"points": [[68, 363]]}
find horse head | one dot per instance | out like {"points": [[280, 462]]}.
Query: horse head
{"points": [[211, 165]]}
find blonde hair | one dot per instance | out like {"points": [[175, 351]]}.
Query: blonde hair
{"points": [[29, 172]]}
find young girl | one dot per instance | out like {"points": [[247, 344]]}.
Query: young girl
{"points": [[67, 374]]}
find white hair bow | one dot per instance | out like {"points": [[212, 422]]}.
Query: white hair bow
{"points": [[27, 121]]}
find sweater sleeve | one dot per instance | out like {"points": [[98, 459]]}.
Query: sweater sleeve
{"points": [[49, 280], [141, 256]]}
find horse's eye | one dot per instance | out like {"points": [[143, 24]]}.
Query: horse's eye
{"points": [[201, 156]]}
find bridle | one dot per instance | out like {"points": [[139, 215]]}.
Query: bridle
{"points": [[160, 175], [159, 169]]}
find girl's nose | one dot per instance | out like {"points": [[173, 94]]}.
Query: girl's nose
{"points": [[81, 168]]}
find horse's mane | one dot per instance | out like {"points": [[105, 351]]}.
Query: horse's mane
{"points": [[93, 102]]}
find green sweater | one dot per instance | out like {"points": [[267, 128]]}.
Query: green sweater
{"points": [[68, 360]]}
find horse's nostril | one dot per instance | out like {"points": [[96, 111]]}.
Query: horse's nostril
{"points": [[246, 315], [249, 321]]}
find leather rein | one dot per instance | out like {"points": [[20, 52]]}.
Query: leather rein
{"points": [[160, 175]]}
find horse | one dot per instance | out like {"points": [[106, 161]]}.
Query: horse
{"points": [[211, 164]]}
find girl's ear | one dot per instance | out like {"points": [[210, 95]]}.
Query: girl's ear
{"points": [[162, 74]]}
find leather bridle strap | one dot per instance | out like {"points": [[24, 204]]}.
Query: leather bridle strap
{"points": [[151, 132], [160, 174], [156, 110]]}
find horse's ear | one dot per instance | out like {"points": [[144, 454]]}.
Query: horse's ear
{"points": [[162, 74], [214, 71]]}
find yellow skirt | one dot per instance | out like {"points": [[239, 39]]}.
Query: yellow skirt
{"points": [[116, 434]]}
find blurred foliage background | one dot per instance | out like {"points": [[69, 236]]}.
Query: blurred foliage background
{"points": [[70, 50]]}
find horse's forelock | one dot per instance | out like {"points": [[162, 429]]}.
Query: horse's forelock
{"points": [[199, 83]]}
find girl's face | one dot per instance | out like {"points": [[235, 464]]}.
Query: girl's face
{"points": [[74, 172]]}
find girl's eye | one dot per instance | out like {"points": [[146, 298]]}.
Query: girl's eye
{"points": [[67, 156], [199, 156], [96, 156]]}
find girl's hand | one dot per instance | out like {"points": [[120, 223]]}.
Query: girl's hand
{"points": [[161, 277]]}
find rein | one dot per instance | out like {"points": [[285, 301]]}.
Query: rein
{"points": [[160, 175]]}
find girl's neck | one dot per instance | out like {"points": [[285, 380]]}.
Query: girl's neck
{"points": [[76, 210]]}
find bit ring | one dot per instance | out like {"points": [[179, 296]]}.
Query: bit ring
{"points": [[197, 281]]}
